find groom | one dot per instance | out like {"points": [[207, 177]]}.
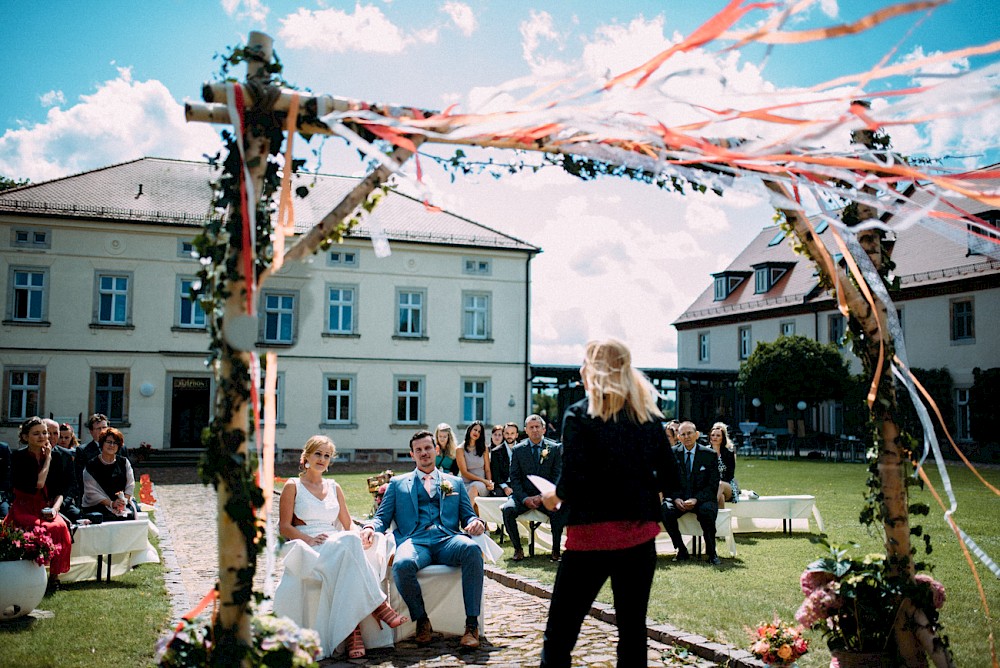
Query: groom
{"points": [[430, 508]]}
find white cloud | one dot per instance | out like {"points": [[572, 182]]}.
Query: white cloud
{"points": [[254, 10], [461, 15], [122, 120], [53, 98], [829, 8], [367, 30], [538, 31]]}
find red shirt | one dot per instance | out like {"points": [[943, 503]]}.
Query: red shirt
{"points": [[616, 535]]}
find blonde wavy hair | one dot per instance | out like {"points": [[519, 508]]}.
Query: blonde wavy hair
{"points": [[614, 386], [452, 445], [725, 434], [312, 445]]}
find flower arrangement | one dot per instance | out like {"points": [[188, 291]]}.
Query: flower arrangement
{"points": [[545, 454], [446, 487], [855, 601], [779, 644], [34, 545], [277, 641], [380, 493]]}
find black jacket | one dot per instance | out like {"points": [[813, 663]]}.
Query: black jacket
{"points": [[614, 470], [500, 465], [703, 481]]}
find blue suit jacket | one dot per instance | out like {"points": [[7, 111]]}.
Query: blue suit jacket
{"points": [[400, 505]]}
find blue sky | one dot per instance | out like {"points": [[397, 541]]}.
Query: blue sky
{"points": [[94, 83]]}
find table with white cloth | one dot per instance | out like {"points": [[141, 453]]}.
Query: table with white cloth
{"points": [[689, 526], [771, 513], [491, 512], [121, 544]]}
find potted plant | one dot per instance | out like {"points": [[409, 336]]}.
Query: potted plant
{"points": [[23, 558], [854, 602]]}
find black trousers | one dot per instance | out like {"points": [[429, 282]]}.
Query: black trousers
{"points": [[706, 511], [579, 579]]}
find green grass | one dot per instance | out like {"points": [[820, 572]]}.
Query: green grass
{"points": [[763, 580], [94, 624]]}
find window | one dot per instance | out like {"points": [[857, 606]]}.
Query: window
{"points": [[113, 307], [110, 394], [28, 298], [962, 320], [778, 238], [703, 347], [475, 315], [720, 288], [477, 266], [726, 282], [475, 399], [983, 239], [339, 399], [411, 313], [835, 329], [766, 276], [340, 313], [279, 318], [746, 342], [189, 314], [185, 249], [788, 328], [409, 400], [342, 258], [23, 392], [30, 237], [963, 414], [279, 395]]}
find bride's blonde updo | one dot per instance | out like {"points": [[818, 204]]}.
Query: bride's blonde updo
{"points": [[614, 386], [312, 445]]}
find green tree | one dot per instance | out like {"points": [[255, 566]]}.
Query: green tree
{"points": [[794, 369], [6, 184]]}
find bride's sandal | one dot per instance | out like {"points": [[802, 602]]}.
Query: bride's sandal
{"points": [[355, 644], [384, 613]]}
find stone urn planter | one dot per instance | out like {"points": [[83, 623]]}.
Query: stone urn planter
{"points": [[22, 587]]}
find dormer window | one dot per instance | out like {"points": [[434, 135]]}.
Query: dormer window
{"points": [[983, 238], [726, 282], [767, 274]]}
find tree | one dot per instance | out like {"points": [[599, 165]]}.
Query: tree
{"points": [[793, 369], [7, 184]]}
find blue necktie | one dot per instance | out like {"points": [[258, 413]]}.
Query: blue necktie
{"points": [[690, 461]]}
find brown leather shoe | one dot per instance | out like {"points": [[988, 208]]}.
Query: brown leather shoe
{"points": [[518, 556], [471, 638], [425, 634]]}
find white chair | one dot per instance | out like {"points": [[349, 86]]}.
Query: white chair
{"points": [[442, 591]]}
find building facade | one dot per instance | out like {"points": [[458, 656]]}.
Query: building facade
{"points": [[98, 274], [949, 292]]}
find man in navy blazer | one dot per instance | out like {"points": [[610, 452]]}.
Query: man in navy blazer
{"points": [[536, 455], [697, 493], [431, 510]]}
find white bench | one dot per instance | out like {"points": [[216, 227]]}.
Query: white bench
{"points": [[123, 544], [771, 513], [689, 526], [491, 512]]}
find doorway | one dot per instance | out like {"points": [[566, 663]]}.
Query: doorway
{"points": [[190, 411]]}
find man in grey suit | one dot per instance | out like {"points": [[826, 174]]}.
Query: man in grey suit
{"points": [[699, 489], [431, 510], [536, 455]]}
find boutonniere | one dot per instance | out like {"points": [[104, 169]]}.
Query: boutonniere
{"points": [[446, 488], [545, 454]]}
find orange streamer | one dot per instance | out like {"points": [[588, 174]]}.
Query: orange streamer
{"points": [[196, 610]]}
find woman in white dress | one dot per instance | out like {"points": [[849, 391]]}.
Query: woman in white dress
{"points": [[313, 511]]}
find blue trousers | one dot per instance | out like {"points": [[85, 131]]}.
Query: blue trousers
{"points": [[438, 548]]}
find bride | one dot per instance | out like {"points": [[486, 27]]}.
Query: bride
{"points": [[313, 517]]}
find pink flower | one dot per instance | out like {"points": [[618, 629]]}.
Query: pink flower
{"points": [[760, 648], [800, 645], [813, 580], [937, 589]]}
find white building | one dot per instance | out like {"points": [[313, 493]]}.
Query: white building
{"points": [[97, 273], [949, 294]]}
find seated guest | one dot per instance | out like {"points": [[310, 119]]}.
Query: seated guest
{"points": [[6, 491], [500, 461], [67, 437], [313, 510], [66, 472], [431, 510], [446, 448], [696, 493], [729, 489], [96, 424], [474, 463], [38, 492], [535, 455], [108, 481]]}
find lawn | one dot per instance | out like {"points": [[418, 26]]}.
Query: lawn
{"points": [[724, 603], [94, 624]]}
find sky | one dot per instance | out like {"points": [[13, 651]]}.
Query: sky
{"points": [[102, 82]]}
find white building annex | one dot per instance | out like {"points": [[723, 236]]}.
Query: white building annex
{"points": [[97, 271], [948, 303]]}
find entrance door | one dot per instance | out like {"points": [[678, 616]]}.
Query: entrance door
{"points": [[190, 411]]}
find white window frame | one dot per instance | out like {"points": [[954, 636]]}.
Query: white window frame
{"points": [[186, 301], [339, 304], [186, 249], [476, 314], [721, 284], [97, 407], [36, 238], [410, 308], [41, 292], [343, 258], [477, 266], [704, 347], [475, 394], [279, 396], [339, 395], [115, 295], [414, 390], [788, 328], [840, 327], [279, 312], [745, 342], [25, 389]]}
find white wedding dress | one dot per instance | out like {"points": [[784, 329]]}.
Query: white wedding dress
{"points": [[336, 585]]}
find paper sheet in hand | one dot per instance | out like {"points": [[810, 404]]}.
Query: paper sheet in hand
{"points": [[544, 486]]}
